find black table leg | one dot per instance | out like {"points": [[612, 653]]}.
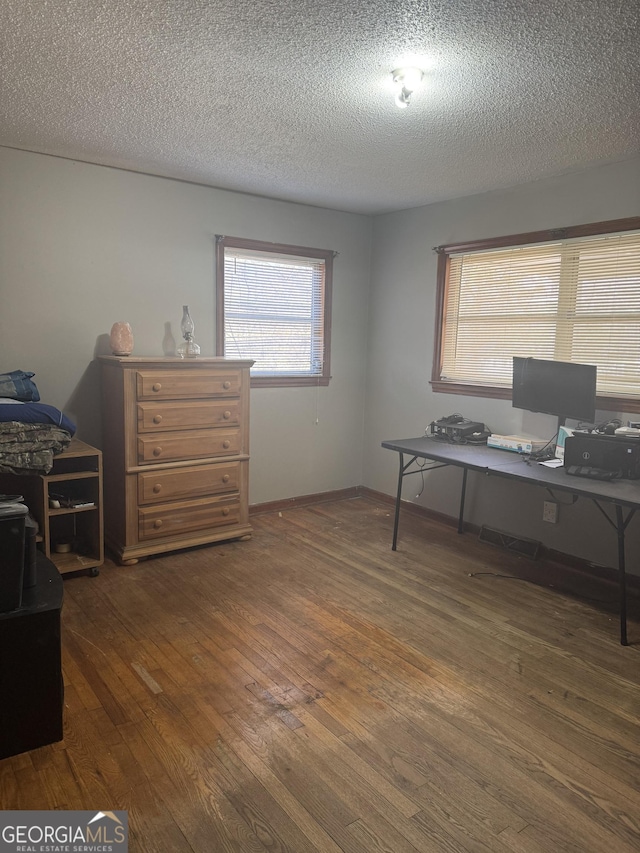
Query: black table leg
{"points": [[462, 494], [620, 523], [398, 499]]}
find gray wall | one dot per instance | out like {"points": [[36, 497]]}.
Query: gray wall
{"points": [[83, 246], [399, 400]]}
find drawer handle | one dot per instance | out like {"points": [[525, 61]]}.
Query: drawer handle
{"points": [[157, 451], [226, 444], [226, 385], [226, 478], [225, 511], [157, 488], [157, 386], [226, 415], [157, 419], [157, 523]]}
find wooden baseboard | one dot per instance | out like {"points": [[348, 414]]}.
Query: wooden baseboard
{"points": [[305, 500], [567, 562]]}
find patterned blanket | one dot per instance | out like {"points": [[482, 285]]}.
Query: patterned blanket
{"points": [[30, 448]]}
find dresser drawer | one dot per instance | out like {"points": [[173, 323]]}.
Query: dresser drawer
{"points": [[195, 481], [190, 444], [187, 415], [183, 518], [186, 384]]}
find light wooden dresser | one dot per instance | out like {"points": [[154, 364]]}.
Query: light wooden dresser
{"points": [[176, 453]]}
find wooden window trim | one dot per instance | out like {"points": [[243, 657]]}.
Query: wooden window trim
{"points": [[606, 403], [284, 381]]}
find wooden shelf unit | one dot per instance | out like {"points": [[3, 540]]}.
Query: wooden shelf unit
{"points": [[76, 476]]}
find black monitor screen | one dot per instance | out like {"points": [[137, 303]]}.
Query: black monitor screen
{"points": [[559, 388]]}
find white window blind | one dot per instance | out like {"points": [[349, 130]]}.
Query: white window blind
{"points": [[569, 300], [274, 311]]}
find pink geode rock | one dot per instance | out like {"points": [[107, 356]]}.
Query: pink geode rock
{"points": [[121, 339]]}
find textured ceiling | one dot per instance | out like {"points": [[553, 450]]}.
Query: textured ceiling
{"points": [[291, 98]]}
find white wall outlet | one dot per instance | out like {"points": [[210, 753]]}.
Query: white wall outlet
{"points": [[550, 512]]}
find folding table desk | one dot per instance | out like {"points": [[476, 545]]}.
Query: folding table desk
{"points": [[622, 495]]}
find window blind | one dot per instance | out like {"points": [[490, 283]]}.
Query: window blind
{"points": [[569, 300], [274, 311]]}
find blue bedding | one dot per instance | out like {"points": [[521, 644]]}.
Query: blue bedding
{"points": [[18, 385], [35, 413]]}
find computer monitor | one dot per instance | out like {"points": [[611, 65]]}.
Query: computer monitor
{"points": [[560, 388]]}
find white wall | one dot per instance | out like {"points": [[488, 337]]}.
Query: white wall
{"points": [[399, 400], [82, 246]]}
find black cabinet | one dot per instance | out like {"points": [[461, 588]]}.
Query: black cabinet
{"points": [[31, 688]]}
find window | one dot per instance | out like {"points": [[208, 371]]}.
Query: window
{"points": [[274, 306], [569, 295]]}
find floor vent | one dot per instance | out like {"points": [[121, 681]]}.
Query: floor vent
{"points": [[526, 547]]}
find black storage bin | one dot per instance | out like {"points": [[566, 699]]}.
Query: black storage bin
{"points": [[12, 530], [30, 533]]}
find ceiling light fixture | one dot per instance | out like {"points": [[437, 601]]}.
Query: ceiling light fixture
{"points": [[406, 81]]}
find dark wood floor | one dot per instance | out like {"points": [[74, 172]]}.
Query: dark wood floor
{"points": [[311, 690]]}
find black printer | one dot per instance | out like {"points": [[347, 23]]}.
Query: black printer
{"points": [[592, 454]]}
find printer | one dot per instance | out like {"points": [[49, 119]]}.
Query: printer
{"points": [[586, 453]]}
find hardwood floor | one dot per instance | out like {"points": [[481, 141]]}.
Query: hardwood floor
{"points": [[311, 690]]}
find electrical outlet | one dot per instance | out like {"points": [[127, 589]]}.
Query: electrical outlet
{"points": [[550, 512]]}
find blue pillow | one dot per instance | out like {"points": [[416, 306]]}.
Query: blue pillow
{"points": [[36, 413], [18, 386]]}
